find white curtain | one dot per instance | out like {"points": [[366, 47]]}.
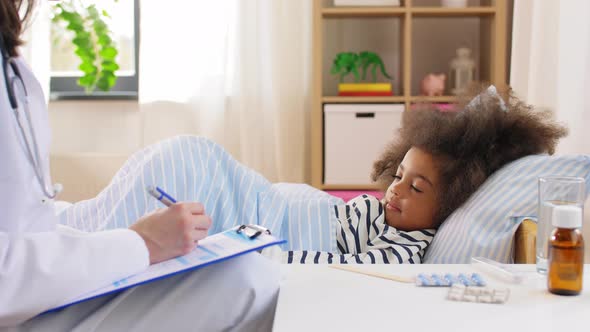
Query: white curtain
{"points": [[235, 71], [37, 50], [550, 65]]}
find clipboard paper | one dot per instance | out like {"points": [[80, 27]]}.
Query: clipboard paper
{"points": [[212, 249]]}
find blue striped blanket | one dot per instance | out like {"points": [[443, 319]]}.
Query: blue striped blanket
{"points": [[196, 169]]}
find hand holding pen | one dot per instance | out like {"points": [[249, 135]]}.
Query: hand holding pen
{"points": [[174, 230]]}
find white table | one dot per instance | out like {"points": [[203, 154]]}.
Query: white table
{"points": [[320, 298]]}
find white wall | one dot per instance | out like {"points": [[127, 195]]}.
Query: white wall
{"points": [[118, 127], [93, 126]]}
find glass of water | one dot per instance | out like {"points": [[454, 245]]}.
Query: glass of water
{"points": [[554, 191]]}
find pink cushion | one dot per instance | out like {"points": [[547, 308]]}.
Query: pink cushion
{"points": [[347, 195]]}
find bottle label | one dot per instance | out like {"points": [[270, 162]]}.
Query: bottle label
{"points": [[566, 264], [568, 271]]}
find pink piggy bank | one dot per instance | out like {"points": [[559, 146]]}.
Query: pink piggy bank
{"points": [[433, 85]]}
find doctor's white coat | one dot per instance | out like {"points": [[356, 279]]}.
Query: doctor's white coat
{"points": [[43, 264]]}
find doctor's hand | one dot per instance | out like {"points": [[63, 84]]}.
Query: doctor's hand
{"points": [[172, 231]]}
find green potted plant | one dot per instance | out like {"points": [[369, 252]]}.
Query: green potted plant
{"points": [[93, 43]]}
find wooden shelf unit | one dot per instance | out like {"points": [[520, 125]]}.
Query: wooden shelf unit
{"points": [[496, 13]]}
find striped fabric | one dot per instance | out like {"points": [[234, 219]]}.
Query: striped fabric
{"points": [[364, 237], [300, 214], [196, 169], [485, 224]]}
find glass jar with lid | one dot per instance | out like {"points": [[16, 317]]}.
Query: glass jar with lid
{"points": [[462, 71]]}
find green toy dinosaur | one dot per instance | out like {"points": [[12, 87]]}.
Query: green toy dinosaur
{"points": [[349, 62]]}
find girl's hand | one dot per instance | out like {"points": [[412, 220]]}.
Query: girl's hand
{"points": [[172, 231]]}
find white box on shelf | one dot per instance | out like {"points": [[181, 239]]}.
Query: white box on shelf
{"points": [[359, 3], [354, 137]]}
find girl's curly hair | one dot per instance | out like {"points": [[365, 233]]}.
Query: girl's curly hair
{"points": [[470, 144]]}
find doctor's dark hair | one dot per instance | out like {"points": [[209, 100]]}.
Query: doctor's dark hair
{"points": [[12, 24], [470, 145]]}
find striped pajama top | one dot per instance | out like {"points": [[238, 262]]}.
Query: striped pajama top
{"points": [[363, 236]]}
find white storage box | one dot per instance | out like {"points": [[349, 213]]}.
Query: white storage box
{"points": [[363, 3], [354, 137]]}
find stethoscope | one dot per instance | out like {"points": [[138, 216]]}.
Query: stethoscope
{"points": [[13, 84]]}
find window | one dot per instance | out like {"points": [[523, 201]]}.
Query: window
{"points": [[64, 62]]}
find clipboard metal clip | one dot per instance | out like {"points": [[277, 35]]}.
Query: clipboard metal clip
{"points": [[252, 231]]}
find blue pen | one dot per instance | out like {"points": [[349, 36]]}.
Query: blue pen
{"points": [[161, 195]]}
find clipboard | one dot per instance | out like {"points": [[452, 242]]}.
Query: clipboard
{"points": [[212, 249]]}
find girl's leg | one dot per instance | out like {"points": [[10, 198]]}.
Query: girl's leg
{"points": [[188, 168]]}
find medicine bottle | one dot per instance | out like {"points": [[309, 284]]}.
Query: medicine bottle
{"points": [[566, 251]]}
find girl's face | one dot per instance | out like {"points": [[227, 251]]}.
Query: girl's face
{"points": [[411, 201]]}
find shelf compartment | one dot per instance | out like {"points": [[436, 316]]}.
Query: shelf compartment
{"points": [[470, 31], [348, 158], [379, 35], [343, 12]]}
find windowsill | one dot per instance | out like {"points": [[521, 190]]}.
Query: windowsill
{"points": [[111, 95]]}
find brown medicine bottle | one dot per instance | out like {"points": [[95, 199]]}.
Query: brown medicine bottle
{"points": [[566, 251]]}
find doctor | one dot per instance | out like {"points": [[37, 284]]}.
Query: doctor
{"points": [[43, 264]]}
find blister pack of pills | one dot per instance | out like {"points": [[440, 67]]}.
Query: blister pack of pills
{"points": [[449, 279], [464, 293]]}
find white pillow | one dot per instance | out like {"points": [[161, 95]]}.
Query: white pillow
{"points": [[485, 224]]}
